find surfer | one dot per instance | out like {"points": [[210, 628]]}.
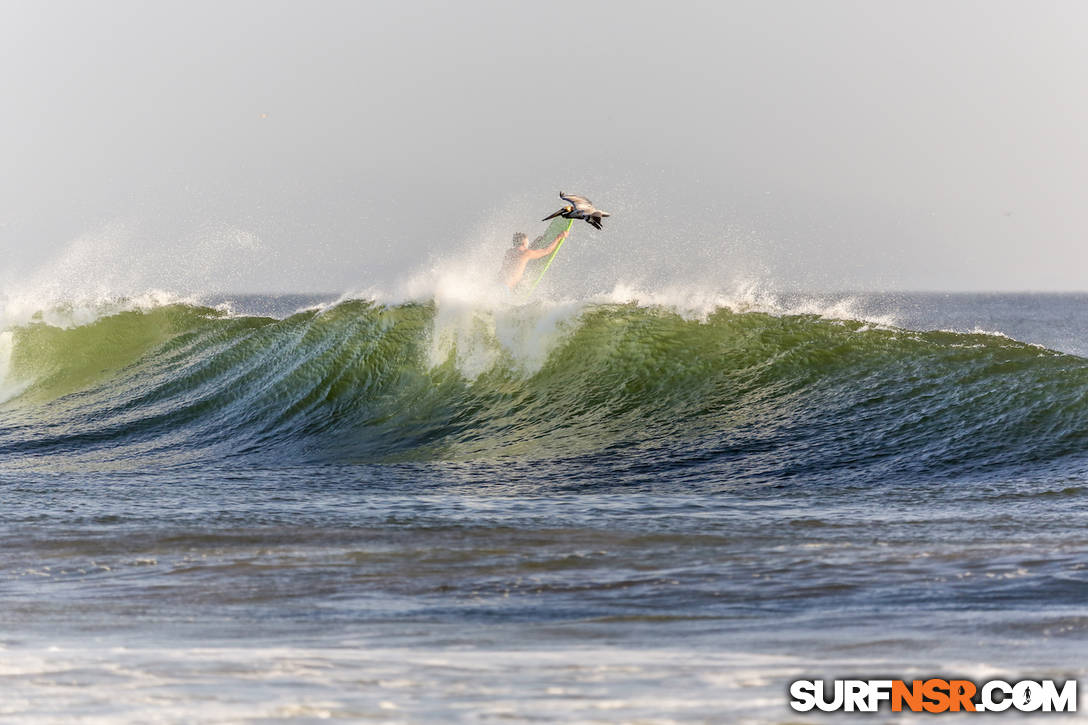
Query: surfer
{"points": [[513, 264]]}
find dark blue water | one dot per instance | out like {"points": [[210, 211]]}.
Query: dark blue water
{"points": [[654, 517]]}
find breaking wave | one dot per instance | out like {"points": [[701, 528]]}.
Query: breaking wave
{"points": [[740, 393]]}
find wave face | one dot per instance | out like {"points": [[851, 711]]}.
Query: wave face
{"points": [[642, 390]]}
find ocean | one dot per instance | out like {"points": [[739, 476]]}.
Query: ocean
{"points": [[623, 508]]}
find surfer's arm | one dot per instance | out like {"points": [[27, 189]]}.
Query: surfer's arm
{"points": [[538, 253]]}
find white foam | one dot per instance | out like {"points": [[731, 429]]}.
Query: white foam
{"points": [[695, 302], [483, 328], [976, 330], [360, 681], [77, 311], [9, 388]]}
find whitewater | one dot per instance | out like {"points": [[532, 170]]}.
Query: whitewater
{"points": [[443, 504]]}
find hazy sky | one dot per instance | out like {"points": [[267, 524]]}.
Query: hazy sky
{"points": [[328, 145]]}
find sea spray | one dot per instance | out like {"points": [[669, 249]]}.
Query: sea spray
{"points": [[8, 388]]}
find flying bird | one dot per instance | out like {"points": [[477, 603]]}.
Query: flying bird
{"points": [[579, 207]]}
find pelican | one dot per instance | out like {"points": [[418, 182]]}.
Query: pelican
{"points": [[579, 207]]}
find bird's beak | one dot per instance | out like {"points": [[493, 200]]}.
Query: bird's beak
{"points": [[553, 216]]}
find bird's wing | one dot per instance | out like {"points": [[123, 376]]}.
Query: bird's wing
{"points": [[576, 201]]}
